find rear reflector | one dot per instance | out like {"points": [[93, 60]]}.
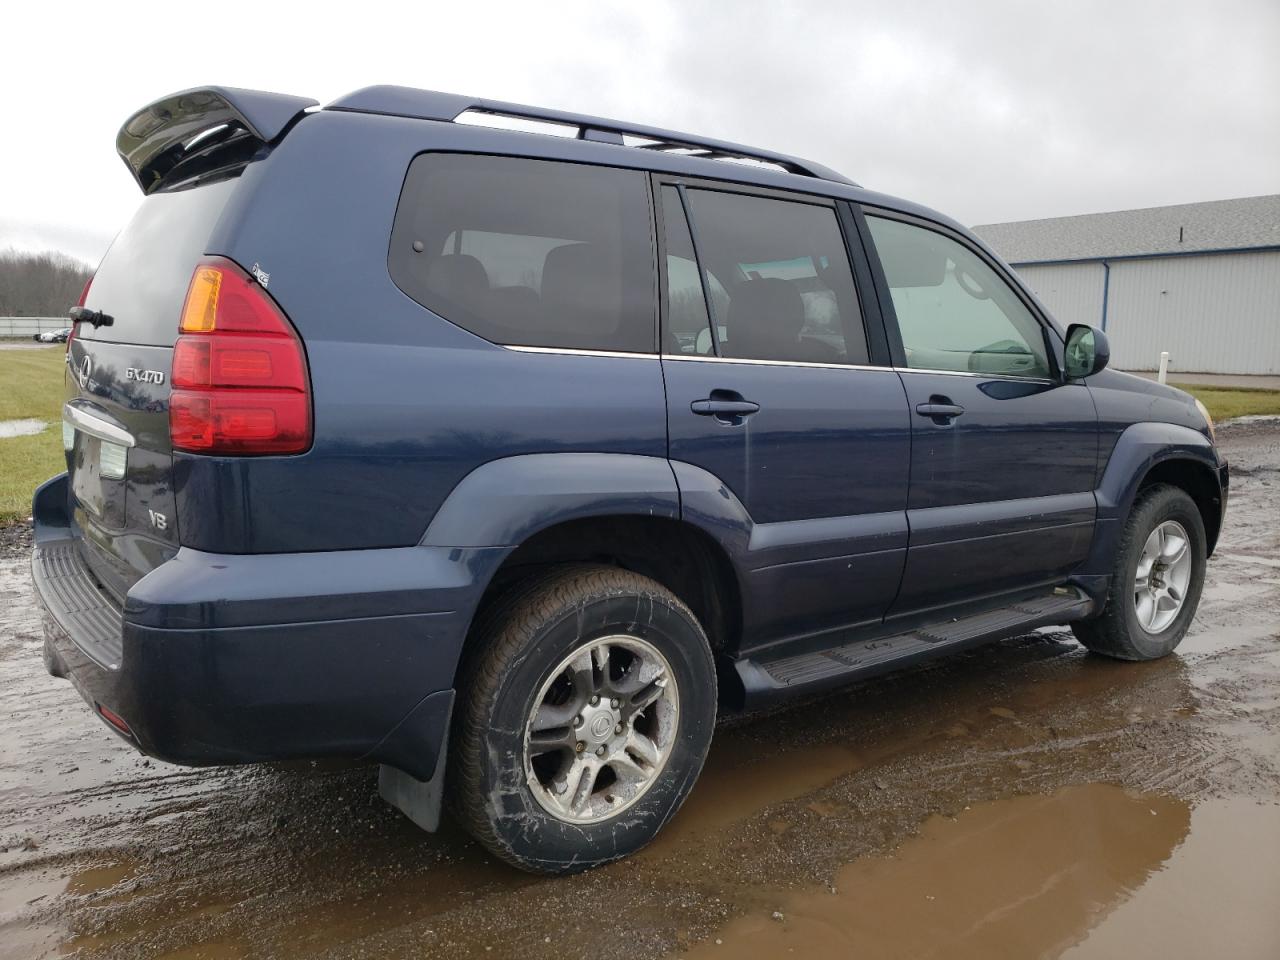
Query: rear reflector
{"points": [[239, 374], [115, 720]]}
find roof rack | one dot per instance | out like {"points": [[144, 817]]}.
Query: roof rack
{"points": [[433, 105]]}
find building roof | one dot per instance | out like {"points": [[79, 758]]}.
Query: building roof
{"points": [[1246, 223]]}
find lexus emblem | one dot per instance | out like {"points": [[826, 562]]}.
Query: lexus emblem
{"points": [[86, 368]]}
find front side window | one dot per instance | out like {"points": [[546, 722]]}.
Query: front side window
{"points": [[954, 311], [528, 252], [777, 273]]}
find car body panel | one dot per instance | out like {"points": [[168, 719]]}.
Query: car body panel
{"points": [[1001, 496]]}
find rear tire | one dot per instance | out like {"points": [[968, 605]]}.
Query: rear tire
{"points": [[1155, 582], [589, 699]]}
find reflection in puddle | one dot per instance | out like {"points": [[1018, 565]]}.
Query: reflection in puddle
{"points": [[95, 879], [1032, 876]]}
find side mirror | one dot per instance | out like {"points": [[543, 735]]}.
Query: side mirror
{"points": [[1087, 351]]}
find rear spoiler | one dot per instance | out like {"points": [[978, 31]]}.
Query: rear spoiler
{"points": [[196, 131]]}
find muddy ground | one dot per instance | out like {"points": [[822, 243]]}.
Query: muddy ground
{"points": [[1023, 800]]}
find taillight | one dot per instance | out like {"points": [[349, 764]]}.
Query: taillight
{"points": [[84, 295], [240, 383]]}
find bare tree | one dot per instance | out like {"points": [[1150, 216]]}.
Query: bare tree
{"points": [[40, 284]]}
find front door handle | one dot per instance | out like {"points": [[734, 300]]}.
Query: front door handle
{"points": [[726, 406], [940, 409]]}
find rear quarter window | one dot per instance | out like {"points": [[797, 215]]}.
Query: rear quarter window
{"points": [[528, 252]]}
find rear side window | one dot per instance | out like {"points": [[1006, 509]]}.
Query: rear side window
{"points": [[688, 328], [783, 267], [528, 252]]}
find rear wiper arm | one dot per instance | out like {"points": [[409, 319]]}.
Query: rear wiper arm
{"points": [[85, 315]]}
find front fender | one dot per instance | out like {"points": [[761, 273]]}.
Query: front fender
{"points": [[1140, 447], [504, 502]]}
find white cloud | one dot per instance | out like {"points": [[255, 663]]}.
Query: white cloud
{"points": [[987, 111]]}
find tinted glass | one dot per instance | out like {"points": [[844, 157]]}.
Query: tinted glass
{"points": [[790, 291], [144, 276], [954, 311], [528, 252], [688, 330]]}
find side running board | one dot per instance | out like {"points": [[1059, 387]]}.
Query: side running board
{"points": [[766, 680]]}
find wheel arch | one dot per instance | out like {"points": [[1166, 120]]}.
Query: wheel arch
{"points": [[679, 555], [1144, 454], [1199, 482], [620, 509]]}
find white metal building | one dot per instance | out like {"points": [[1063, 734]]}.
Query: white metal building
{"points": [[1201, 280]]}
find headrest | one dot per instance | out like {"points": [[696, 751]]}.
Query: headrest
{"points": [[580, 288], [459, 277], [765, 319]]}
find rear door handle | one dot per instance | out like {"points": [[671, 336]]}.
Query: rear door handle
{"points": [[718, 408], [730, 410], [940, 412]]}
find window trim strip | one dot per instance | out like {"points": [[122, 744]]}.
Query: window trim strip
{"points": [[774, 363], [576, 352], [686, 358]]}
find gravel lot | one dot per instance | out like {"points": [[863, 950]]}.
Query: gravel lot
{"points": [[1022, 800]]}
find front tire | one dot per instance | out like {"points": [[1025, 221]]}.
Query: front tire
{"points": [[1156, 580], [590, 699]]}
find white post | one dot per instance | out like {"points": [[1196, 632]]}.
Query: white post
{"points": [[1164, 366]]}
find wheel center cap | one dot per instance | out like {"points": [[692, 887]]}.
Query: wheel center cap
{"points": [[598, 724], [601, 727]]}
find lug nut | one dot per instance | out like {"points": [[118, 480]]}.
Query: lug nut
{"points": [[600, 752], [615, 703], [579, 746], [594, 700], [618, 728], [577, 721]]}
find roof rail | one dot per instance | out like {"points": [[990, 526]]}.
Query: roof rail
{"points": [[433, 105]]}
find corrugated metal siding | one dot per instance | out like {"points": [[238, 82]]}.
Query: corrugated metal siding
{"points": [[1214, 314], [1072, 292]]}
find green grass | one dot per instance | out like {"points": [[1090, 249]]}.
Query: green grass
{"points": [[31, 383], [30, 387], [1227, 402], [25, 463]]}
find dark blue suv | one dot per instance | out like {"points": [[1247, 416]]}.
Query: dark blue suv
{"points": [[506, 459]]}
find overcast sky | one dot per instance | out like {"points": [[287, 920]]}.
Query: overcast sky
{"points": [[988, 111]]}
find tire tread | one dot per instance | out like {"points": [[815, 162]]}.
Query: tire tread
{"points": [[1108, 633], [502, 633]]}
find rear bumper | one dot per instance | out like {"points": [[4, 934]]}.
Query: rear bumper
{"points": [[231, 659]]}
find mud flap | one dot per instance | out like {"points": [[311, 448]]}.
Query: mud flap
{"points": [[419, 800]]}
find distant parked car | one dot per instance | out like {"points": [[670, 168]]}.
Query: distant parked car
{"points": [[53, 336], [510, 461]]}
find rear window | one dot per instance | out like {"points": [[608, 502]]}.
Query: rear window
{"points": [[144, 276], [528, 252]]}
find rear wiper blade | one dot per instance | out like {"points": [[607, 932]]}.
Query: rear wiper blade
{"points": [[85, 315]]}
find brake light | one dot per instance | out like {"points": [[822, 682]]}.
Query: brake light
{"points": [[240, 382]]}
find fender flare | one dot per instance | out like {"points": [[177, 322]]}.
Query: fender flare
{"points": [[504, 502], [1139, 448]]}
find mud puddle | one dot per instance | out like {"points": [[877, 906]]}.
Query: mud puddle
{"points": [[1091, 871]]}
